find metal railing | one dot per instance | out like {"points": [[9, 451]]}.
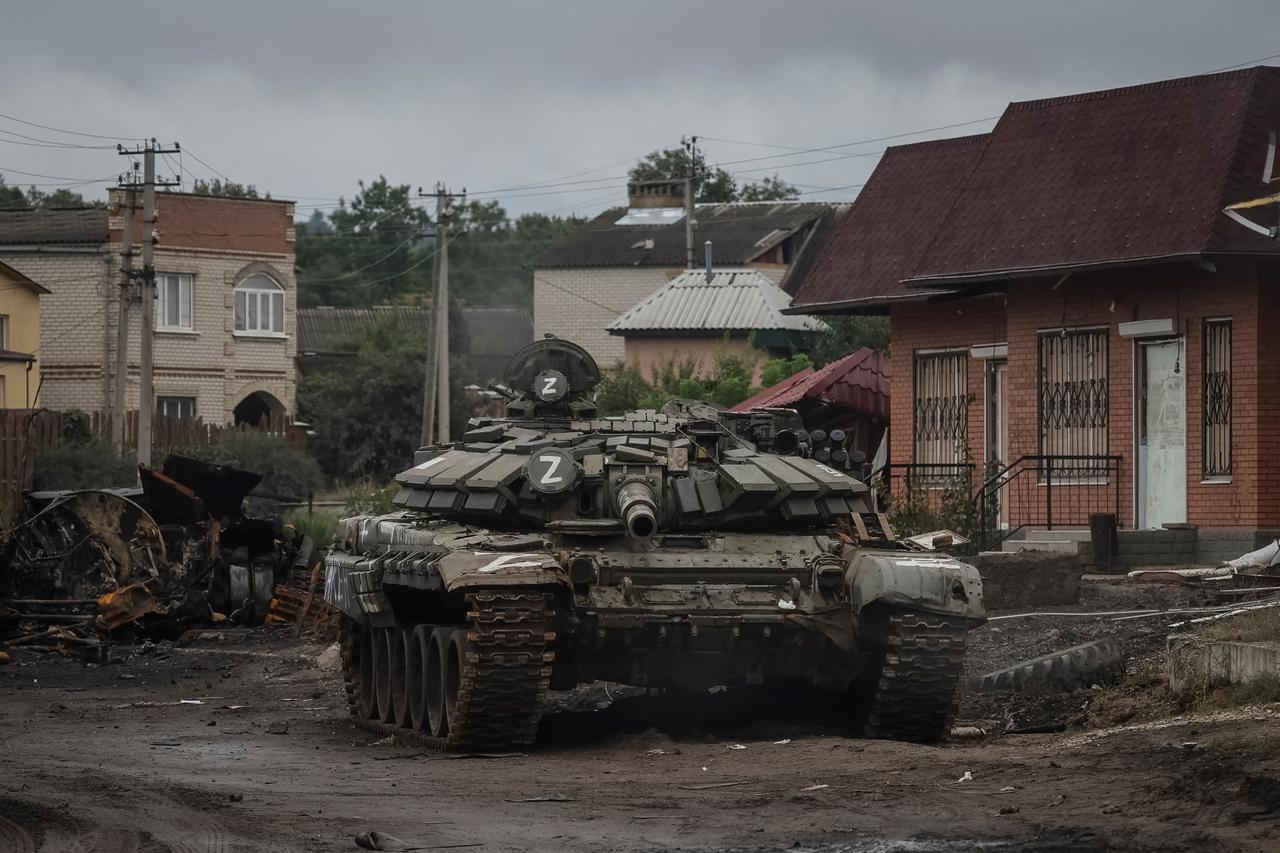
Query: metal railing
{"points": [[1044, 490]]}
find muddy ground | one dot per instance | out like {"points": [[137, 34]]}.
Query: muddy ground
{"points": [[242, 745]]}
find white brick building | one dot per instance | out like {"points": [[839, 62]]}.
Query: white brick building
{"points": [[225, 312], [590, 278]]}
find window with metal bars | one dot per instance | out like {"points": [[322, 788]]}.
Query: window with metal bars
{"points": [[1217, 398], [941, 412], [1073, 398]]}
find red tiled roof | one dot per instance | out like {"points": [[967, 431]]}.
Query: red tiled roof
{"points": [[881, 238], [859, 381], [1122, 176], [1111, 177]]}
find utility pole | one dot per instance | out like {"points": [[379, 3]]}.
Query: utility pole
{"points": [[120, 400], [435, 412], [146, 393], [690, 184]]}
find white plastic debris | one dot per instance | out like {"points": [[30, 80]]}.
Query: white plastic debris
{"points": [[736, 746], [785, 604], [967, 777], [813, 788], [1008, 789], [783, 742]]}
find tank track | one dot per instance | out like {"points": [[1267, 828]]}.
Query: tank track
{"points": [[505, 676], [918, 689]]}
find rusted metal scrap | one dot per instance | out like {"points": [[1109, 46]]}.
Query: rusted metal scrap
{"points": [[175, 553]]}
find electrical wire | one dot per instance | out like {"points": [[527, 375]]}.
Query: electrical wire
{"points": [[70, 132]]}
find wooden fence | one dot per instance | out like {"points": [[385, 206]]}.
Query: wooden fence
{"points": [[24, 433]]}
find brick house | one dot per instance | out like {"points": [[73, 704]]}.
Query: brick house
{"points": [[615, 261], [1077, 320], [225, 304]]}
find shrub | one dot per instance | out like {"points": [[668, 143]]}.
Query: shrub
{"points": [[93, 465], [81, 460], [322, 528], [288, 473], [369, 498]]}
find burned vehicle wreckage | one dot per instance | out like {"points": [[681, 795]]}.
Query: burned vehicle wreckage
{"points": [[680, 549], [178, 552]]}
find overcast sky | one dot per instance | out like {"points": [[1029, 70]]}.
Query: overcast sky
{"points": [[305, 97]]}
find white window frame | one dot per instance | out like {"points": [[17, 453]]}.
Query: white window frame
{"points": [[261, 299], [185, 311], [178, 401]]}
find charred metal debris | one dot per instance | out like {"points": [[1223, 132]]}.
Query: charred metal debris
{"points": [[82, 567]]}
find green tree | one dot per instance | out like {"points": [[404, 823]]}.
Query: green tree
{"points": [[712, 184], [768, 189], [230, 189], [777, 369], [845, 334], [378, 252], [367, 414], [13, 197]]}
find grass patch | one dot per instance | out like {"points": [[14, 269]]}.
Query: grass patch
{"points": [[1256, 626], [320, 527], [1259, 690], [1264, 744]]}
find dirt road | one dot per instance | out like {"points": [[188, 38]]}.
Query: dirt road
{"points": [[121, 758]]}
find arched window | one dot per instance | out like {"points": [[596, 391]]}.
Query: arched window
{"points": [[260, 306]]}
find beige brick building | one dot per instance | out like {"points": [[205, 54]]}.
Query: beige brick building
{"points": [[225, 307], [610, 264]]}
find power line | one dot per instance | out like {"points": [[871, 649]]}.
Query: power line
{"points": [[1243, 64], [64, 130], [7, 170], [196, 157]]}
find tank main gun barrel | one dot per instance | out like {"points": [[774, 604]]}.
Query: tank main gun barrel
{"points": [[638, 508]]}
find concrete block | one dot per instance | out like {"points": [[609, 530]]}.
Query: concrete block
{"points": [[1194, 664]]}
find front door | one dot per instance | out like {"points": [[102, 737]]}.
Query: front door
{"points": [[1162, 434]]}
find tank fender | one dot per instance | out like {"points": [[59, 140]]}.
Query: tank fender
{"points": [[934, 583], [469, 569], [353, 584]]}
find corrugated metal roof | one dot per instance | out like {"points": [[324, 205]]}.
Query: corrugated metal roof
{"points": [[859, 381], [328, 331], [739, 300], [87, 225], [734, 229]]}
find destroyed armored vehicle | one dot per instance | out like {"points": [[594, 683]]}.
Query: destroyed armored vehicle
{"points": [[681, 549], [179, 551]]}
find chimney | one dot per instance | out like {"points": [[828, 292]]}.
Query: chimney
{"points": [[665, 193], [708, 250]]}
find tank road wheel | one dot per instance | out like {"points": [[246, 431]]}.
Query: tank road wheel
{"points": [[455, 664], [382, 674], [437, 666], [368, 673], [397, 654], [415, 664], [351, 645], [920, 679]]}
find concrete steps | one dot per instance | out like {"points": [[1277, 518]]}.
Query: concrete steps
{"points": [[1066, 541]]}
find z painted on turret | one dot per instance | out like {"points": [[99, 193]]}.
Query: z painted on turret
{"points": [[682, 549]]}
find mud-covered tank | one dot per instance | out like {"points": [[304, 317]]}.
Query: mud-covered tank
{"points": [[684, 548]]}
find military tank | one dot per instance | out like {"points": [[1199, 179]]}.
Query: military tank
{"points": [[679, 549]]}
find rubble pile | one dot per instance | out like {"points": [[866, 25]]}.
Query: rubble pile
{"points": [[82, 567]]}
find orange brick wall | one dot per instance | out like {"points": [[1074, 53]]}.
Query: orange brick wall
{"points": [[1179, 291]]}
